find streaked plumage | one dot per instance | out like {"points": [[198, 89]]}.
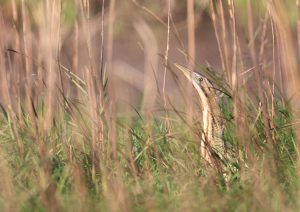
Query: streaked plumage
{"points": [[212, 146]]}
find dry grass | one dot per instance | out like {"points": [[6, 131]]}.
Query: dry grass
{"points": [[74, 136]]}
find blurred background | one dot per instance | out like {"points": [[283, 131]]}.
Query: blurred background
{"points": [[70, 33]]}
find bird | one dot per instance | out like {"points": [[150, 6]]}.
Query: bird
{"points": [[212, 145]]}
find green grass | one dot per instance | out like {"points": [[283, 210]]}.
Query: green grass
{"points": [[168, 171]]}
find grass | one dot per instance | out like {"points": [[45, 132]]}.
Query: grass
{"points": [[65, 146], [157, 170]]}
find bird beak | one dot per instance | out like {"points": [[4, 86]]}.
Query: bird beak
{"points": [[186, 72]]}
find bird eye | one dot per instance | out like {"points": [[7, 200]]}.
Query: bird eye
{"points": [[201, 79]]}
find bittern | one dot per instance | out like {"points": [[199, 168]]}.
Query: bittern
{"points": [[212, 147]]}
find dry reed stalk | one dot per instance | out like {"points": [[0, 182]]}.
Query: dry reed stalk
{"points": [[79, 187], [102, 37], [233, 66], [112, 107], [227, 36], [263, 62], [224, 39], [93, 88], [49, 49], [16, 76], [11, 81], [97, 78], [237, 96], [150, 48], [224, 42], [234, 74], [240, 117], [86, 14], [92, 105], [27, 50], [191, 56], [112, 145], [51, 37], [258, 73], [9, 106], [191, 33], [215, 18], [116, 191], [298, 27], [273, 75], [14, 11], [166, 62], [4, 89], [101, 87], [7, 194], [75, 55], [45, 185], [298, 42], [288, 59], [110, 35]]}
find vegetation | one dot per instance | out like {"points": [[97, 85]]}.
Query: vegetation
{"points": [[69, 142]]}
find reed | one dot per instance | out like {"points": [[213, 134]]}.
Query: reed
{"points": [[95, 113]]}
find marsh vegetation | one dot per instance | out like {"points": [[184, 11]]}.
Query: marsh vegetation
{"points": [[96, 115]]}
